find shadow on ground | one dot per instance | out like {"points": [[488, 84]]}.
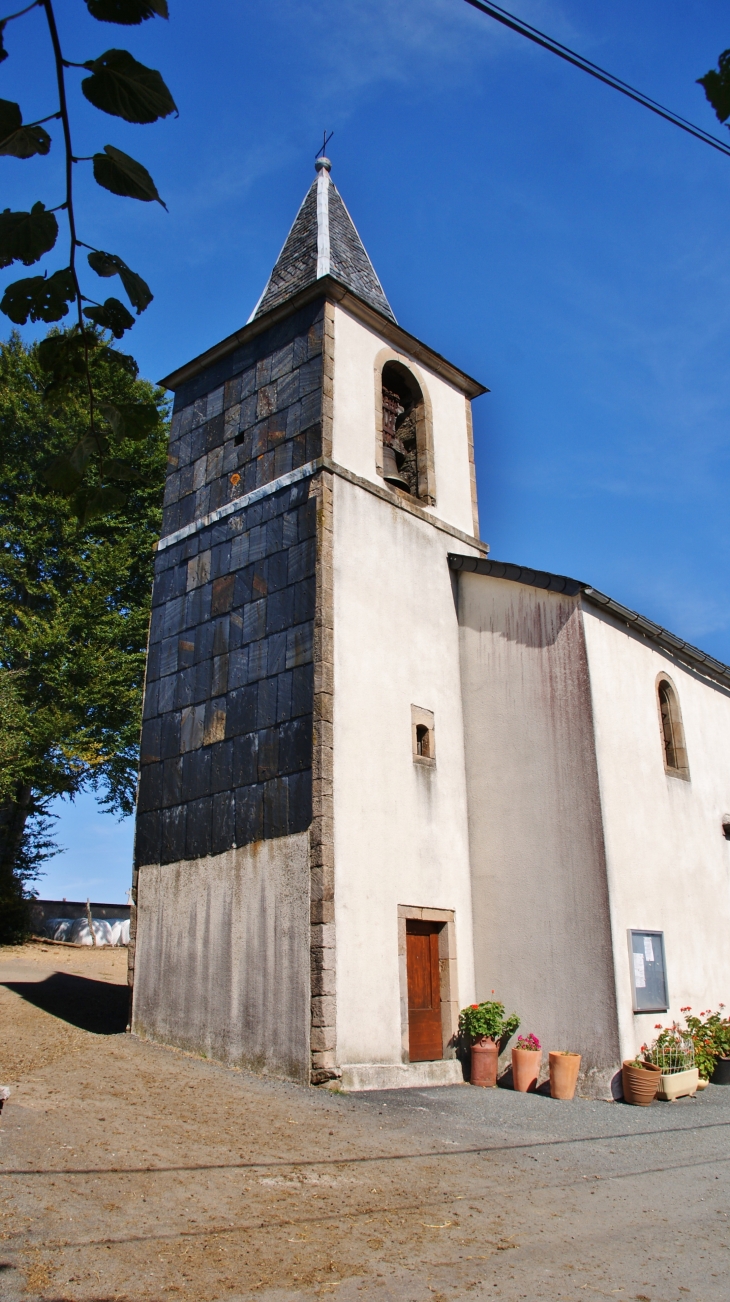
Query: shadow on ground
{"points": [[96, 1006]]}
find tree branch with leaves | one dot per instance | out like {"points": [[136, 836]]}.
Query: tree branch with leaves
{"points": [[92, 472]]}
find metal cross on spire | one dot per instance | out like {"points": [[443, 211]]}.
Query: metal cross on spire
{"points": [[325, 141]]}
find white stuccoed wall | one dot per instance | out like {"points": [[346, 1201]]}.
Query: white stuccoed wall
{"points": [[668, 863], [400, 828], [356, 348], [542, 937]]}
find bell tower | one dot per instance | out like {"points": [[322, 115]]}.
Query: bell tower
{"points": [[302, 796]]}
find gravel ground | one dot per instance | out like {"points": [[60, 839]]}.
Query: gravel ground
{"points": [[132, 1172]]}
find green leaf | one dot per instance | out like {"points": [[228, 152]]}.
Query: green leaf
{"points": [[26, 236], [63, 356], [3, 51], [131, 420], [61, 475], [39, 298], [121, 86], [59, 350], [16, 140], [717, 86], [111, 315], [26, 142], [85, 449], [10, 117], [114, 468], [108, 264], [90, 505], [64, 473], [117, 172], [126, 12], [122, 360]]}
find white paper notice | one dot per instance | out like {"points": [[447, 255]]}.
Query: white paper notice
{"points": [[648, 949], [639, 973]]}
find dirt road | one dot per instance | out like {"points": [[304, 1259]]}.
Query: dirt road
{"points": [[133, 1172]]}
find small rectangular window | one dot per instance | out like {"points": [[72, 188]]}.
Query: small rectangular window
{"points": [[423, 735], [648, 971]]}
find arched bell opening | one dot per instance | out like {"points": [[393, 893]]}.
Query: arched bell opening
{"points": [[402, 410]]}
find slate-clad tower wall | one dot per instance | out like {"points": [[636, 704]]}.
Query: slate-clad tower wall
{"points": [[225, 792]]}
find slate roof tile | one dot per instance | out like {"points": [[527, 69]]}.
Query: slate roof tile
{"points": [[322, 242]]}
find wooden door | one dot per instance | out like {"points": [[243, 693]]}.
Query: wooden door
{"points": [[425, 1041]]}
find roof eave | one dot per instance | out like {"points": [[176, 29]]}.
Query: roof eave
{"points": [[684, 651], [330, 288]]}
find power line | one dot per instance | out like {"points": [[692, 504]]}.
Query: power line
{"points": [[562, 51]]}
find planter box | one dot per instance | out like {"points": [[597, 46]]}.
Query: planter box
{"points": [[721, 1074], [678, 1084]]}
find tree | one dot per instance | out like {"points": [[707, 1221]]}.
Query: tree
{"points": [[83, 451], [74, 603]]}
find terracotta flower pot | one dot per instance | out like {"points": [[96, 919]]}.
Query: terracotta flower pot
{"points": [[564, 1068], [525, 1069], [640, 1084], [484, 1055]]}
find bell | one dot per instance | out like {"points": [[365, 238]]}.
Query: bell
{"points": [[391, 473]]}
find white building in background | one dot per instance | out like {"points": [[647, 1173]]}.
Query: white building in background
{"points": [[383, 775]]}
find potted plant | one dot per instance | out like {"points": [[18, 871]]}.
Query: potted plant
{"points": [[640, 1081], [485, 1029], [710, 1033], [721, 1041], [673, 1052], [564, 1068], [526, 1060]]}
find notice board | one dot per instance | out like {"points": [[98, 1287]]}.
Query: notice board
{"points": [[648, 971]]}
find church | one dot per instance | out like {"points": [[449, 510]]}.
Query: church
{"points": [[382, 775]]}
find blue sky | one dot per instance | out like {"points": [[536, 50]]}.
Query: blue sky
{"points": [[560, 243]]}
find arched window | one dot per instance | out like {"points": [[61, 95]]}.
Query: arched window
{"points": [[402, 398], [424, 736], [675, 753], [404, 454]]}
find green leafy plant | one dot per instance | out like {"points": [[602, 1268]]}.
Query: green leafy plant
{"points": [[487, 1019], [673, 1049], [710, 1034], [94, 473]]}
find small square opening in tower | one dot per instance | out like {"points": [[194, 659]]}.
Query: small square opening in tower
{"points": [[423, 735]]}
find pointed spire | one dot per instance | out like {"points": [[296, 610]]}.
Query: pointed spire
{"points": [[323, 242]]}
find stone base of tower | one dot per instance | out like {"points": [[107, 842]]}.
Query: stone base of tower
{"points": [[223, 956], [360, 1076]]}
